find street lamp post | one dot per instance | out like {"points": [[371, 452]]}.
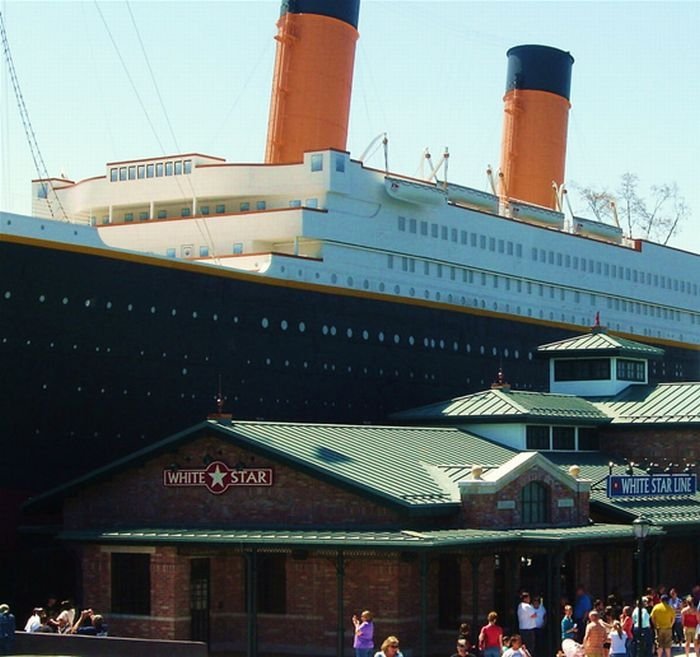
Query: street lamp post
{"points": [[641, 527]]}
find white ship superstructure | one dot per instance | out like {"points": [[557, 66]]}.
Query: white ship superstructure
{"points": [[331, 221]]}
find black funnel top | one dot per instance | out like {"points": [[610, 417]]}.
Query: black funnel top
{"points": [[539, 68], [344, 10]]}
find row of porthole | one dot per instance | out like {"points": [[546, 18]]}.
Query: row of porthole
{"points": [[381, 337]]}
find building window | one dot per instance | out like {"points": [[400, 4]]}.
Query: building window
{"points": [[122, 173], [449, 593], [159, 169], [271, 584], [630, 370], [563, 438], [185, 212], [129, 216], [534, 504], [178, 168], [220, 208], [132, 172], [317, 162], [203, 251], [143, 216], [114, 175], [339, 163], [162, 214], [204, 210], [238, 248], [588, 440], [591, 369], [168, 168], [537, 437], [170, 252], [260, 205], [296, 203], [150, 170], [131, 584], [187, 166], [141, 171]]}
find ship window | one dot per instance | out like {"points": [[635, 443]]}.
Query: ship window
{"points": [[390, 261], [132, 172], [105, 218], [187, 166], [317, 162], [439, 271], [122, 173], [453, 234], [443, 232], [402, 223], [472, 239], [576, 262], [567, 260], [550, 255], [543, 255], [509, 248], [244, 206], [42, 191], [260, 205], [168, 168], [482, 241], [162, 214], [114, 175], [311, 202], [203, 251], [339, 163], [501, 246], [238, 248], [483, 279], [295, 203], [159, 169], [492, 243], [149, 170], [423, 227], [519, 250], [178, 168], [463, 236], [129, 216], [433, 230], [412, 225], [141, 171], [426, 268], [185, 212], [143, 216], [204, 210], [220, 208], [170, 252]]}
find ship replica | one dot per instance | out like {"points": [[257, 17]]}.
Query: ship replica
{"points": [[309, 287]]}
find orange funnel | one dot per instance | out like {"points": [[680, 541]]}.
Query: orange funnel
{"points": [[533, 150], [310, 103]]}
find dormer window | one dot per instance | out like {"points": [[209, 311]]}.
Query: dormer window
{"points": [[534, 504], [587, 369]]}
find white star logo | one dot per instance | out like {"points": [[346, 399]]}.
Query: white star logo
{"points": [[217, 477]]}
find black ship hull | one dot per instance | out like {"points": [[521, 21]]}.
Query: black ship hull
{"points": [[105, 352]]}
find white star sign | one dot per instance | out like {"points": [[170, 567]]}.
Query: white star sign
{"points": [[217, 477]]}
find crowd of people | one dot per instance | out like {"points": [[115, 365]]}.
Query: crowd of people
{"points": [[590, 627]]}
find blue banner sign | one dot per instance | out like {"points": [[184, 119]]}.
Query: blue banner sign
{"points": [[658, 485]]}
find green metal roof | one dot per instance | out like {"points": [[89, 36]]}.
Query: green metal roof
{"points": [[665, 403], [320, 539], [505, 405], [599, 343], [412, 467]]}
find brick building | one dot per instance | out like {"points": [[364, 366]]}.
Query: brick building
{"points": [[264, 538]]}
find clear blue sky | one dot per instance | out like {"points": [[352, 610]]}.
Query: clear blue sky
{"points": [[428, 73]]}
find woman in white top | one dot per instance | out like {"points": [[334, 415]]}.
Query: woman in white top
{"points": [[618, 640]]}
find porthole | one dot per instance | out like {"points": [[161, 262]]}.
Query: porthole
{"points": [[397, 338], [411, 340], [432, 342], [333, 330], [153, 310], [381, 336], [306, 364], [42, 298], [302, 327], [334, 279], [8, 294], [505, 352], [365, 284], [350, 281], [482, 350], [426, 294], [286, 363], [469, 348], [365, 335], [349, 369], [108, 305], [184, 371], [382, 287], [130, 307], [426, 342], [349, 332], [64, 301], [494, 351], [455, 346], [235, 319], [317, 275], [215, 317], [265, 322], [300, 273], [268, 361], [194, 314], [449, 298], [397, 289], [529, 355], [437, 296], [284, 325], [442, 344], [412, 292], [324, 330], [173, 312]]}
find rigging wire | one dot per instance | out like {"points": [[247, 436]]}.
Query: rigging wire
{"points": [[39, 163]]}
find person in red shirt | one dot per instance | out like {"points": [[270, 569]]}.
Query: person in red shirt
{"points": [[491, 637]]}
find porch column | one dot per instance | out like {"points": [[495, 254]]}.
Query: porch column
{"points": [[252, 602], [423, 604], [475, 560], [340, 580]]}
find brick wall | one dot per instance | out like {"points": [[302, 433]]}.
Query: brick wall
{"points": [[656, 444]]}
